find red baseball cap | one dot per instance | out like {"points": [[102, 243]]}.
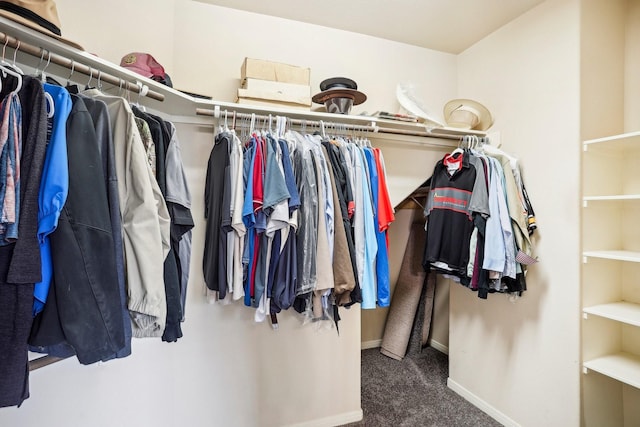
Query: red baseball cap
{"points": [[143, 64]]}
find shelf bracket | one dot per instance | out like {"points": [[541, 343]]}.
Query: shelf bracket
{"points": [[585, 148], [585, 204], [585, 370], [585, 316], [584, 259]]}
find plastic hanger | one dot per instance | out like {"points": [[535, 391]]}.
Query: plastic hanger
{"points": [[73, 69], [7, 69], [459, 149], [13, 65], [43, 76], [120, 87], [5, 62], [142, 91], [51, 107], [40, 74], [88, 85]]}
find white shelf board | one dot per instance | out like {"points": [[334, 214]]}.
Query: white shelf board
{"points": [[630, 256], [612, 197], [622, 141], [623, 367], [622, 311]]}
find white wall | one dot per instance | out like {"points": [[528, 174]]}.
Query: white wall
{"points": [[632, 68], [522, 358], [211, 42], [228, 370], [112, 29]]}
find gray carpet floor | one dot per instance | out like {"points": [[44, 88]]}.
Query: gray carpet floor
{"points": [[413, 393]]}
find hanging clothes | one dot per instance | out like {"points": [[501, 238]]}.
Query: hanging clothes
{"points": [[148, 239], [54, 186], [20, 265], [178, 198], [213, 211], [101, 123], [476, 221], [87, 293], [294, 254], [454, 197]]}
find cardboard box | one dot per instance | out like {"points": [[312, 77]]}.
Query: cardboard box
{"points": [[276, 104], [275, 96], [274, 71], [285, 89]]}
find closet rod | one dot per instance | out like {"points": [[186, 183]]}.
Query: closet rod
{"points": [[43, 361], [295, 122], [346, 126], [77, 66]]}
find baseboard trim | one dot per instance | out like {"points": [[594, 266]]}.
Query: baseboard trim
{"points": [[481, 404], [332, 421], [440, 347], [365, 345], [370, 344]]}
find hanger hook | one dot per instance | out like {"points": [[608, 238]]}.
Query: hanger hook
{"points": [[4, 48], [41, 59], [73, 68], [120, 87], [15, 53], [90, 76], [48, 61], [99, 84]]}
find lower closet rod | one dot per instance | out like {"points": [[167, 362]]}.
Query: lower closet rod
{"points": [[7, 40]]}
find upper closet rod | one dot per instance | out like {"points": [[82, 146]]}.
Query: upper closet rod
{"points": [[346, 126], [295, 122], [38, 52]]}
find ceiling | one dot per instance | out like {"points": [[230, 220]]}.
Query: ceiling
{"points": [[444, 25]]}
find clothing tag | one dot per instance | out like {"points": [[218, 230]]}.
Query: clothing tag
{"points": [[452, 168]]}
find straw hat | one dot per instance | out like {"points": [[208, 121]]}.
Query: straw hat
{"points": [[467, 114], [39, 15]]}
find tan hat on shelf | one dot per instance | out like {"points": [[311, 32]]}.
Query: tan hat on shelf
{"points": [[467, 114], [39, 15]]}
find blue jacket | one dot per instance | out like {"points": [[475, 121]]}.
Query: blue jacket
{"points": [[54, 186]]}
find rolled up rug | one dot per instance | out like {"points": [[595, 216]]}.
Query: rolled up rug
{"points": [[406, 296]]}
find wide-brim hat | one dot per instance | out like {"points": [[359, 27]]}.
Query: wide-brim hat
{"points": [[339, 87], [39, 15], [467, 114]]}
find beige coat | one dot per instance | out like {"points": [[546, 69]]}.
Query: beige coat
{"points": [[145, 221]]}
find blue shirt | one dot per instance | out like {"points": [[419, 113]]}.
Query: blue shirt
{"points": [[54, 187], [382, 257]]}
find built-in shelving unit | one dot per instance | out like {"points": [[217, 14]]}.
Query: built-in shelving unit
{"points": [[629, 256], [625, 312], [623, 367], [610, 272]]}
